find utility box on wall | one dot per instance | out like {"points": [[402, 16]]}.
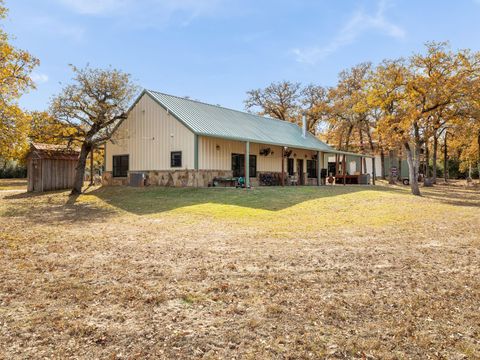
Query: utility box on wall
{"points": [[137, 179]]}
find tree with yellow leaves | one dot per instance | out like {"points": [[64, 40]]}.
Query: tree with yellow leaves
{"points": [[15, 68]]}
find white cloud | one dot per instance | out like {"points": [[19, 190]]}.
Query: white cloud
{"points": [[359, 23], [39, 78]]}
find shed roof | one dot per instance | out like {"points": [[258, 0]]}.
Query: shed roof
{"points": [[53, 151], [216, 121]]}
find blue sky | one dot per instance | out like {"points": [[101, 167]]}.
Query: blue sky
{"points": [[216, 50]]}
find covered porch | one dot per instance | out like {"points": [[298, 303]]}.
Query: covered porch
{"points": [[263, 164]]}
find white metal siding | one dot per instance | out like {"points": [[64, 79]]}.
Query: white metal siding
{"points": [[212, 158], [148, 136]]}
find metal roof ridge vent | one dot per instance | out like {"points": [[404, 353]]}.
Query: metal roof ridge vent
{"points": [[304, 126]]}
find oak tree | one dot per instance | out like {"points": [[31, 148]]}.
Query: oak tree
{"points": [[93, 104]]}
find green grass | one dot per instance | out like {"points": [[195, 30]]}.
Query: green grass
{"points": [[284, 210]]}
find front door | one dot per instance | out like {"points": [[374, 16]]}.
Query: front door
{"points": [[300, 171]]}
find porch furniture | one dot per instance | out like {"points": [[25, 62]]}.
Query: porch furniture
{"points": [[225, 181], [349, 179], [293, 180]]}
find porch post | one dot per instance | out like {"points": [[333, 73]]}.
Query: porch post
{"points": [[336, 166], [344, 169], [361, 165], [282, 176], [319, 169], [247, 164]]}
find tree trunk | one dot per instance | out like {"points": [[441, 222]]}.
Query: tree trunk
{"points": [[382, 163], [445, 159], [391, 180], [412, 170], [478, 160], [427, 160], [80, 169], [347, 140], [434, 159], [399, 177]]}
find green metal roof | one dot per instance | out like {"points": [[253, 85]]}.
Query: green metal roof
{"points": [[216, 121]]}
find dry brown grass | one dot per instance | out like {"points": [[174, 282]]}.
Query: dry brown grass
{"points": [[343, 272]]}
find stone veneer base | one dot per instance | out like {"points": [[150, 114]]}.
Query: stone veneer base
{"points": [[182, 178]]}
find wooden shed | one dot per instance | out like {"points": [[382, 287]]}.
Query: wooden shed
{"points": [[51, 167]]}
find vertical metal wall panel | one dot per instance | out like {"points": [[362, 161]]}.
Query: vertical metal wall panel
{"points": [[148, 135], [216, 154]]}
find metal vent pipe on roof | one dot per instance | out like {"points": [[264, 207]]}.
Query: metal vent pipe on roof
{"points": [[304, 126]]}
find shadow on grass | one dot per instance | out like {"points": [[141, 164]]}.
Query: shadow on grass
{"points": [[53, 206], [58, 207], [452, 196], [153, 200]]}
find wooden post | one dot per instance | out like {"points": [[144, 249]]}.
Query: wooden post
{"points": [[91, 166], [361, 165], [344, 169], [373, 170], [336, 166], [282, 176], [247, 164], [319, 169], [445, 159]]}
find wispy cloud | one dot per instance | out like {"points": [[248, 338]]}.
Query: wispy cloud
{"points": [[359, 23], [151, 11], [39, 78]]}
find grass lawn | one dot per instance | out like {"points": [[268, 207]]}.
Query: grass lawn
{"points": [[13, 184], [336, 272]]}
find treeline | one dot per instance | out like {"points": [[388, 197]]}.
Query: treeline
{"points": [[418, 105]]}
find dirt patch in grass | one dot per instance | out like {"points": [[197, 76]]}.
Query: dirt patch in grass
{"points": [[338, 272]]}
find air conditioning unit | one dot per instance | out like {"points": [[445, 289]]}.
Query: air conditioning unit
{"points": [[137, 179]]}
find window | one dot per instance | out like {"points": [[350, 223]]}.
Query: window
{"points": [[176, 159], [120, 165], [290, 167], [238, 165], [312, 168]]}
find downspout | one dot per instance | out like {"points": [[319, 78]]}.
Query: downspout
{"points": [[247, 164], [195, 159], [319, 168]]}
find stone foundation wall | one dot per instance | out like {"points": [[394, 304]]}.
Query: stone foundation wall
{"points": [[175, 178], [108, 179], [184, 178], [187, 178]]}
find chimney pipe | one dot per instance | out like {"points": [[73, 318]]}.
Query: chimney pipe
{"points": [[304, 126]]}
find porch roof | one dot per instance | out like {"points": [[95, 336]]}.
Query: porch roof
{"points": [[339, 152]]}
